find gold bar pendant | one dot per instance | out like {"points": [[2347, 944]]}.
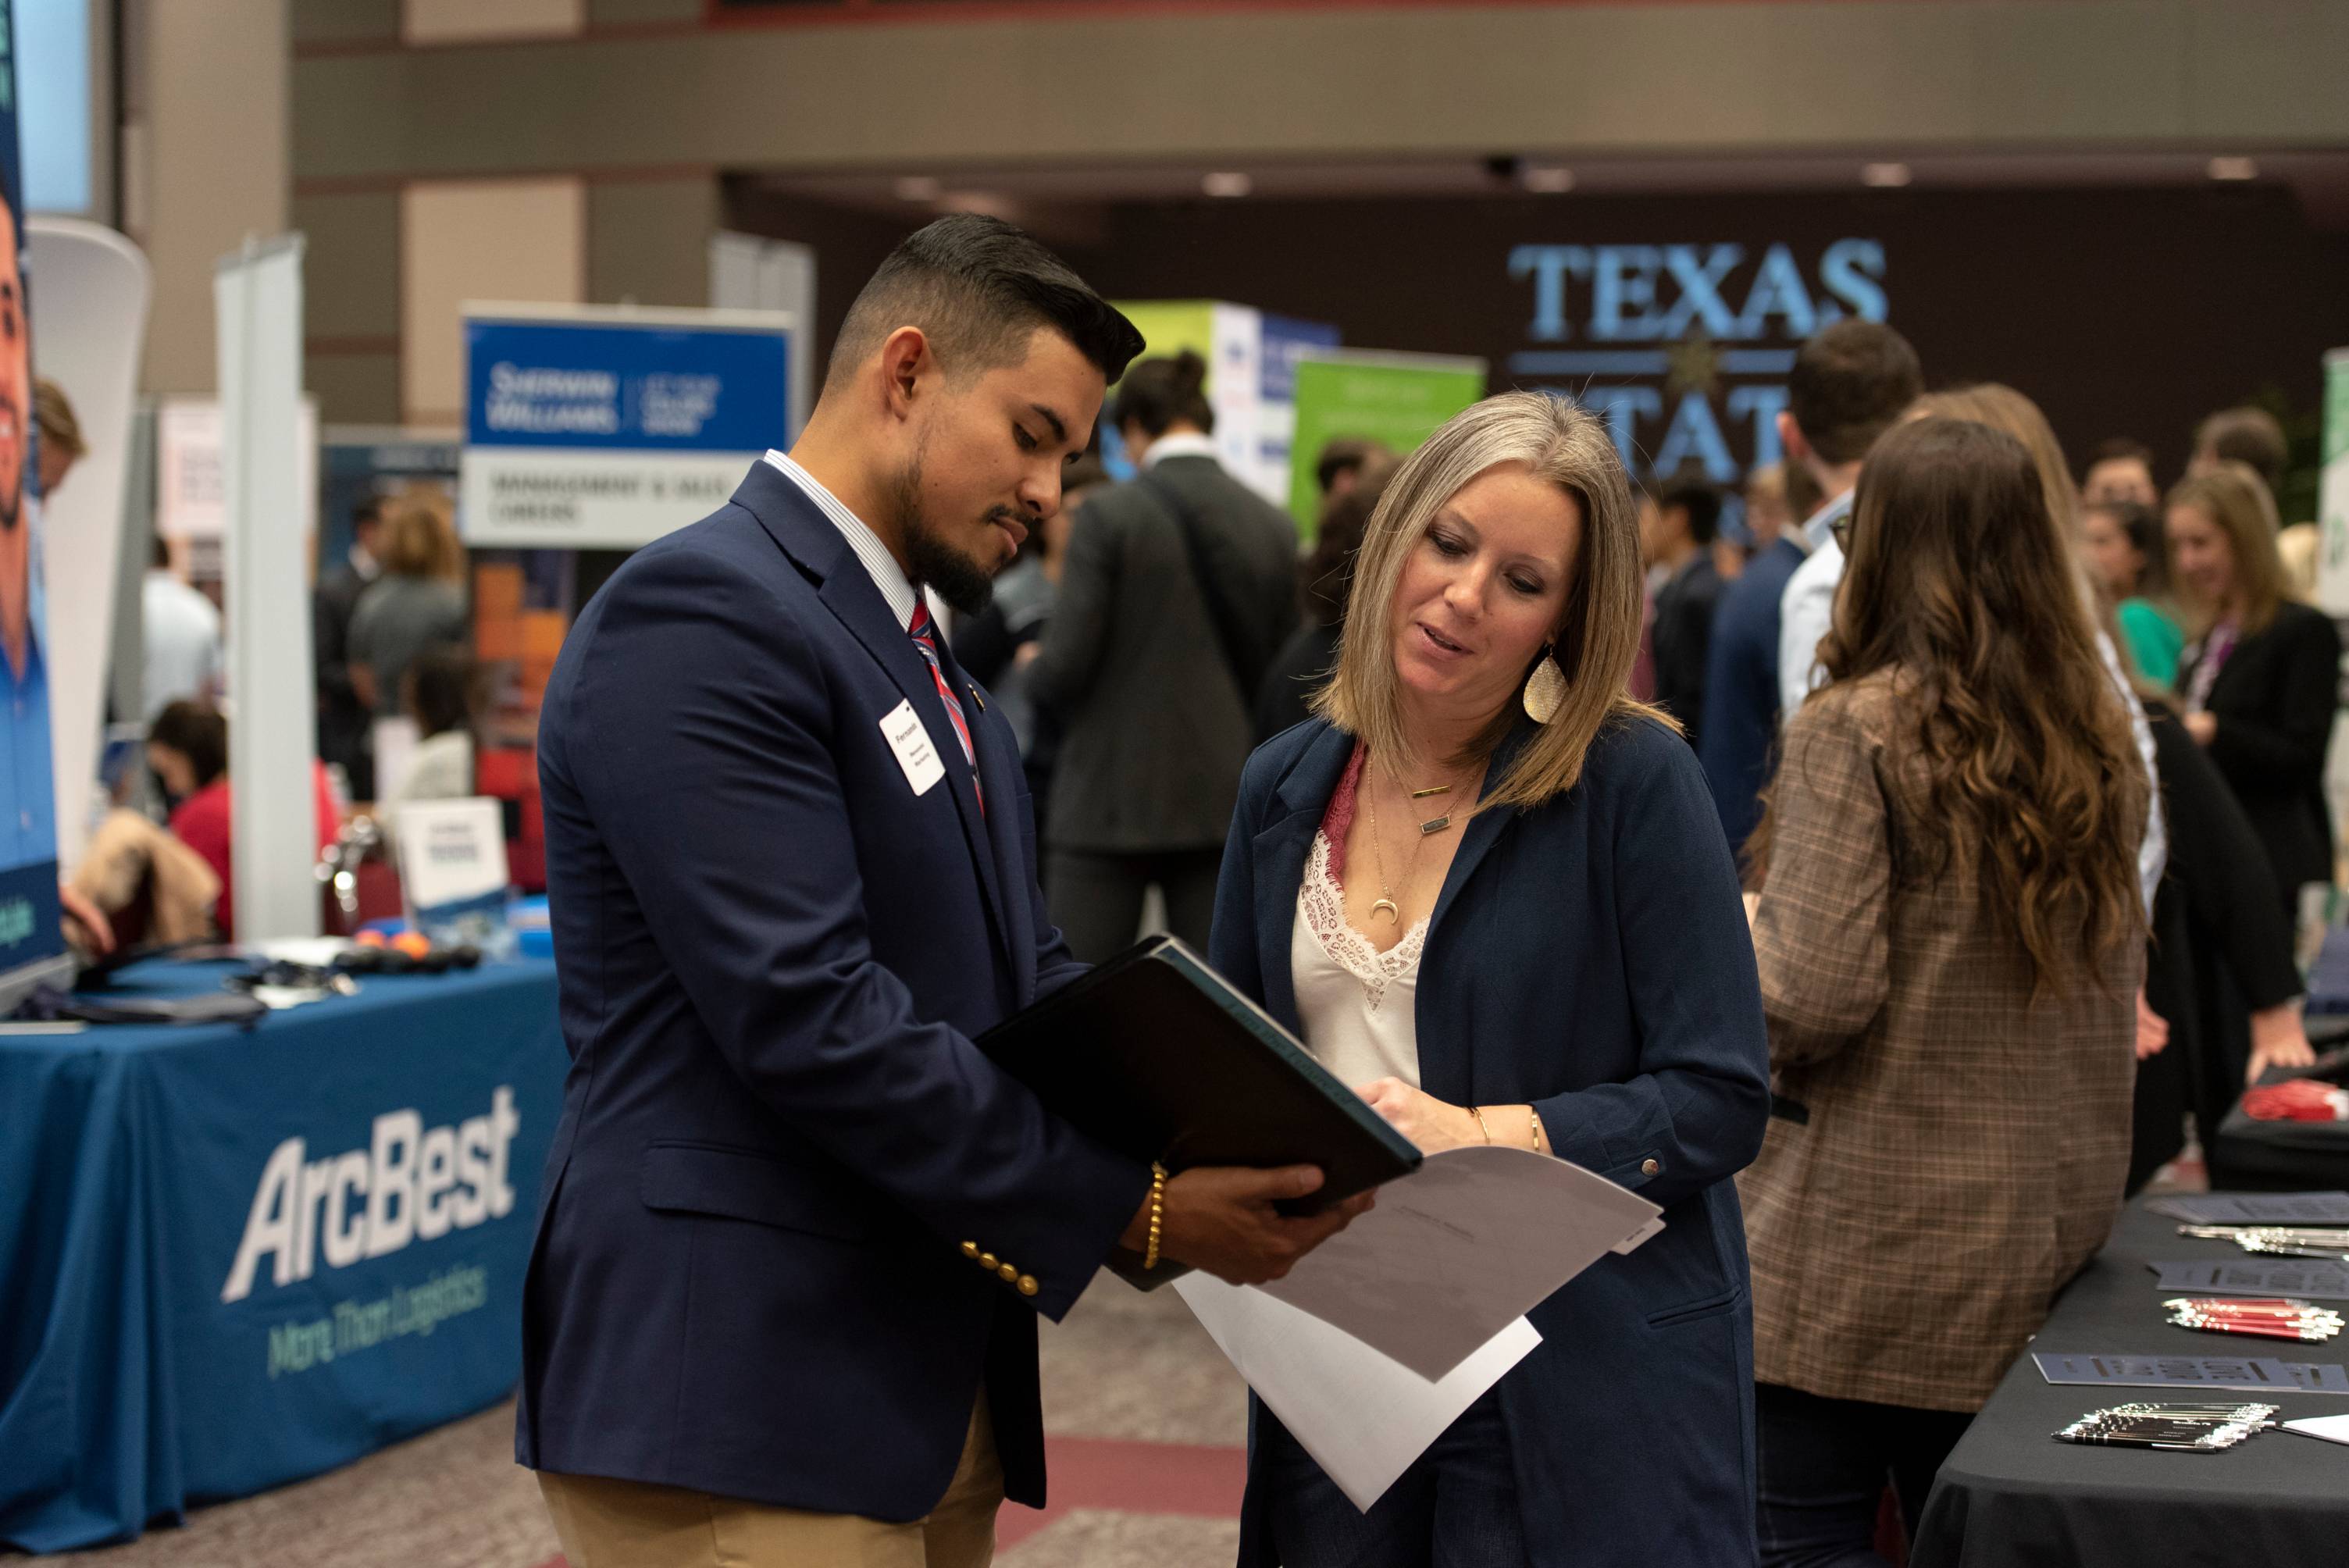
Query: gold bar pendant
{"points": [[1423, 794]]}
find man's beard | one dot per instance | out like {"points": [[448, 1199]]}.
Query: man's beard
{"points": [[11, 496], [959, 581]]}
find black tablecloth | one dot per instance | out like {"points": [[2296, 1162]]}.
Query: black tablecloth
{"points": [[2292, 1156], [2012, 1497]]}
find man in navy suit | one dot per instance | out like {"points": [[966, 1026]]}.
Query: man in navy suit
{"points": [[781, 1308]]}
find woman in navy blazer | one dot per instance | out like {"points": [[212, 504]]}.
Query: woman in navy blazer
{"points": [[1565, 966]]}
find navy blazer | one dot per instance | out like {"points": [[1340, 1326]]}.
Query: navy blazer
{"points": [[757, 1268], [1590, 957], [1739, 739]]}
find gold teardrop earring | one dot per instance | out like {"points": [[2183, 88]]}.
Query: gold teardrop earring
{"points": [[1545, 687]]}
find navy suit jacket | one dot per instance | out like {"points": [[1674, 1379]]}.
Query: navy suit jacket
{"points": [[1590, 957], [1740, 737], [756, 1270]]}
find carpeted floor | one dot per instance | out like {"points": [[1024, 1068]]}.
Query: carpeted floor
{"points": [[1147, 1424]]}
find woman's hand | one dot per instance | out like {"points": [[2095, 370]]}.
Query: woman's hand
{"points": [[2278, 1040], [85, 923], [2202, 727], [1419, 1115], [2152, 1028]]}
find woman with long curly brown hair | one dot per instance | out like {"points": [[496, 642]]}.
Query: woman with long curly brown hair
{"points": [[1950, 940]]}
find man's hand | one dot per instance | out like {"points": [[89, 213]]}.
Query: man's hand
{"points": [[1221, 1218]]}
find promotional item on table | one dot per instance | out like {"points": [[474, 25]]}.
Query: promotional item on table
{"points": [[2187, 1429]]}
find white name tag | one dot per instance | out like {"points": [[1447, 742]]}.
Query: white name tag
{"points": [[901, 727]]}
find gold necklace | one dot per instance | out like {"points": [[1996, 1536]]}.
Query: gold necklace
{"points": [[1386, 904]]}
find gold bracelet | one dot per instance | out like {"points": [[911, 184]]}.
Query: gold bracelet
{"points": [[1538, 1140], [1157, 1215], [1478, 1112]]}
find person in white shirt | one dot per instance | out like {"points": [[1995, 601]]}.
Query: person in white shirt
{"points": [[1851, 382], [441, 693], [182, 634]]}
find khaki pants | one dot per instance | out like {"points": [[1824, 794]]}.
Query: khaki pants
{"points": [[630, 1525]]}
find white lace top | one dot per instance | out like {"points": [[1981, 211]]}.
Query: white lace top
{"points": [[1356, 1003]]}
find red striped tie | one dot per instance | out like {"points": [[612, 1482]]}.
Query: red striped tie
{"points": [[924, 636]]}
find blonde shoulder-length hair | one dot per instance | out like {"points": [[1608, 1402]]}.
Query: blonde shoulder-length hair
{"points": [[1598, 636], [2238, 502]]}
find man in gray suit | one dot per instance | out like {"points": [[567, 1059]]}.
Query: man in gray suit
{"points": [[1178, 590]]}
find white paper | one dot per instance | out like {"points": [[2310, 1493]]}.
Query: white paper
{"points": [[395, 754], [316, 951], [1452, 1253], [902, 728], [451, 852], [1363, 1417], [2331, 1429]]}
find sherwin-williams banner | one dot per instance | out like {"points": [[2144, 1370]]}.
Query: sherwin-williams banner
{"points": [[604, 429], [29, 933], [1396, 398]]}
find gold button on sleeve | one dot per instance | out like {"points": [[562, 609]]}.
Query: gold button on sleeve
{"points": [[987, 1260], [1006, 1273], [970, 1249], [1027, 1285]]}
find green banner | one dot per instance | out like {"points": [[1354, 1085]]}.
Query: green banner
{"points": [[2332, 490], [1397, 400]]}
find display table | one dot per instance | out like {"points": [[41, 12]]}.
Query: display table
{"points": [[2293, 1156], [2011, 1494], [232, 1257]]}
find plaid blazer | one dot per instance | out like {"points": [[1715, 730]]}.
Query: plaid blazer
{"points": [[1944, 1153]]}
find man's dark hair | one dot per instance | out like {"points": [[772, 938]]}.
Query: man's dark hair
{"points": [[979, 288], [1700, 501], [1327, 574], [1345, 455], [1159, 391], [438, 687], [2248, 435], [367, 511], [158, 552], [1851, 382], [2118, 450], [196, 732]]}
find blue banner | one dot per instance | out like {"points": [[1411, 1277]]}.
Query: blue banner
{"points": [[238, 1257], [1285, 342], [29, 932], [652, 388]]}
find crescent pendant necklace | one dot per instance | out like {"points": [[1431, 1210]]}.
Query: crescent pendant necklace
{"points": [[1386, 907]]}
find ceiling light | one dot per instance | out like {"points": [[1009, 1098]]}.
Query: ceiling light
{"points": [[1884, 176], [919, 188], [988, 204], [2233, 168], [1227, 182], [1547, 177]]}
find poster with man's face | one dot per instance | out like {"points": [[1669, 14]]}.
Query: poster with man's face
{"points": [[28, 840]]}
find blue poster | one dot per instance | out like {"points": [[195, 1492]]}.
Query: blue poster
{"points": [[1286, 341], [604, 429], [1282, 342], [29, 930]]}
